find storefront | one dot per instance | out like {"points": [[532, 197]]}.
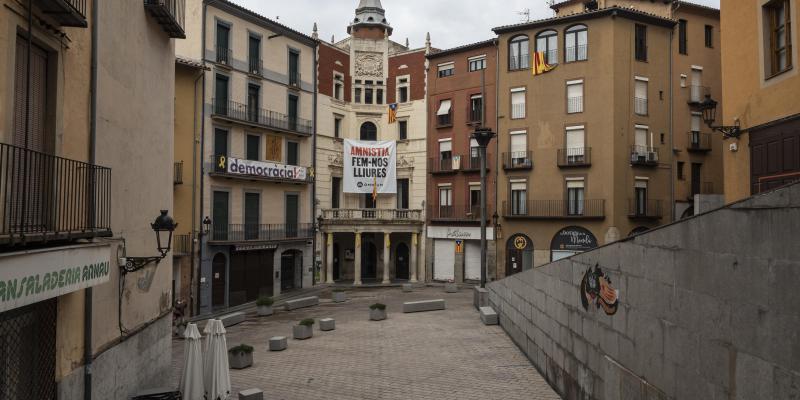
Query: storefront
{"points": [[570, 241], [457, 252], [519, 254]]}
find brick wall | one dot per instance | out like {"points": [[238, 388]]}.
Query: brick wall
{"points": [[415, 67], [327, 64]]}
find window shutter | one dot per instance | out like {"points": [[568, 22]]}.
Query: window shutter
{"points": [[519, 144], [575, 139], [641, 89], [695, 123], [641, 137], [445, 146]]}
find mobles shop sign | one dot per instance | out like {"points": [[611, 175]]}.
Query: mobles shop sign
{"points": [[30, 277], [238, 166], [370, 167]]}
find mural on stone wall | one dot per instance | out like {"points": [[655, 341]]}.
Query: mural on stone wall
{"points": [[596, 290]]}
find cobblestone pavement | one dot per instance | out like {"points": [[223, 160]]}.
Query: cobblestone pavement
{"points": [[435, 355]]}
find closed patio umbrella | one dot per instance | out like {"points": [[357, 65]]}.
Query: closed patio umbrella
{"points": [[192, 378], [217, 376]]}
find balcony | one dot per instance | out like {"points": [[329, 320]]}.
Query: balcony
{"points": [[640, 105], [475, 116], [697, 94], [518, 160], [177, 177], [645, 209], [243, 233], [472, 163], [66, 12], [574, 157], [382, 216], [521, 62], [699, 187], [261, 118], [170, 14], [644, 156], [224, 56], [699, 142], [555, 209], [294, 78], [182, 245], [224, 166], [441, 166], [256, 67], [48, 198], [444, 121], [462, 213]]}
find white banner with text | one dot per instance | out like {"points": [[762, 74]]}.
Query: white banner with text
{"points": [[370, 167]]}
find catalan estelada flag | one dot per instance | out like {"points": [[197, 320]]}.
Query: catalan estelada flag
{"points": [[540, 64], [392, 113]]}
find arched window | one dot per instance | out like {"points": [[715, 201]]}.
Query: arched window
{"points": [[576, 43], [518, 53], [547, 42], [369, 131]]}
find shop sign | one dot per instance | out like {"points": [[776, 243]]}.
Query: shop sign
{"points": [[574, 238], [459, 233], [34, 276], [255, 247]]}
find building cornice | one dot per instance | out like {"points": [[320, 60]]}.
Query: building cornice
{"points": [[258, 19], [615, 11]]}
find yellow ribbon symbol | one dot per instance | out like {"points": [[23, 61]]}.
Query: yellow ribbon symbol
{"points": [[222, 162]]}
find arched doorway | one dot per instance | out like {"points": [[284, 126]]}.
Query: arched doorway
{"points": [[291, 270], [369, 259], [336, 270], [570, 241], [369, 131], [401, 261], [519, 254], [218, 279]]}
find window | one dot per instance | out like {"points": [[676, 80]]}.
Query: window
{"points": [[696, 176], [777, 15], [292, 107], [477, 63], [446, 150], [402, 194], [697, 85], [221, 93], [402, 90], [358, 95], [446, 70], [519, 149], [254, 47], [574, 96], [518, 53], [402, 130], [575, 145], [291, 153], [547, 42], [640, 39], [445, 201], [378, 96], [337, 127], [519, 198], [576, 41], [475, 200], [252, 214], [294, 68], [219, 215], [369, 131], [476, 108], [368, 91], [336, 192], [695, 128], [709, 36], [474, 154], [640, 96], [444, 115], [338, 87], [220, 142], [518, 103], [575, 196], [223, 44], [640, 140], [640, 192], [253, 95], [253, 145], [681, 175], [274, 148], [682, 45]]}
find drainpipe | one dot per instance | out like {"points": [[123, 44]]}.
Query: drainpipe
{"points": [[193, 297], [202, 155], [671, 133], [88, 293], [314, 167]]}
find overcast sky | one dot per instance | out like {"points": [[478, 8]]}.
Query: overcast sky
{"points": [[450, 22]]}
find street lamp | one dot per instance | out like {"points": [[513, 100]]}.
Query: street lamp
{"points": [[709, 109], [206, 225], [483, 136], [163, 226]]}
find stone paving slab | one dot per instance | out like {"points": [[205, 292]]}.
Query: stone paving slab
{"points": [[443, 355]]}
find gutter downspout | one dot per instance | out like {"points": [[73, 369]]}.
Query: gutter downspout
{"points": [[88, 293], [202, 154], [314, 184], [496, 152], [671, 133], [192, 275]]}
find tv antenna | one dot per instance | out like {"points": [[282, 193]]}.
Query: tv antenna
{"points": [[526, 14]]}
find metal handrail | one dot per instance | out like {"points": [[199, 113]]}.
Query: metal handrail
{"points": [[372, 214], [518, 160], [574, 157]]}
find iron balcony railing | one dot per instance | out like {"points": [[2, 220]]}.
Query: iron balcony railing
{"points": [[224, 55], [575, 104], [555, 209], [178, 173], [440, 165], [699, 141], [520, 62], [518, 160], [472, 162], [699, 187], [170, 14], [644, 156], [576, 53], [444, 120], [645, 208], [182, 245], [698, 93], [46, 197], [640, 105], [260, 232], [551, 56], [518, 111], [259, 116], [256, 67], [382, 215], [575, 157], [66, 12], [458, 212], [294, 78], [475, 115]]}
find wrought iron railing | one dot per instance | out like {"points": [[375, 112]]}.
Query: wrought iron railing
{"points": [[256, 67], [518, 111], [576, 53], [178, 173], [645, 208], [518, 160], [182, 245], [294, 78], [224, 55], [575, 157], [66, 12], [516, 63], [260, 232], [260, 116], [458, 212], [697, 93], [644, 155], [440, 165], [47, 197], [699, 141], [385, 215], [444, 120], [170, 14], [554, 209]]}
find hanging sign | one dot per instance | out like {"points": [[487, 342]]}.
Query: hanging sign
{"points": [[370, 167]]}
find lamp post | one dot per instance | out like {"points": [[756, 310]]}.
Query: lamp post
{"points": [[709, 109], [483, 136], [163, 225]]}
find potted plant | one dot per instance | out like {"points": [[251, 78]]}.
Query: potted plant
{"points": [[241, 356], [304, 329], [264, 306], [450, 286], [377, 312], [339, 295]]}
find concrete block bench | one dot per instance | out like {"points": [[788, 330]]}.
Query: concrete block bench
{"points": [[488, 316], [327, 324], [423, 305], [302, 303], [480, 297], [407, 287], [232, 319], [251, 394], [277, 343]]}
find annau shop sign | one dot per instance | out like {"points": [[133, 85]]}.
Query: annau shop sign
{"points": [[30, 277]]}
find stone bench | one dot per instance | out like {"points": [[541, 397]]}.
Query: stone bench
{"points": [[302, 303], [251, 394], [423, 305], [407, 287], [488, 316], [479, 297], [327, 324], [232, 319], [277, 343]]}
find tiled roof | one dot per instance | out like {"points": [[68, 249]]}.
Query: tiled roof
{"points": [[189, 62], [689, 3], [471, 46], [621, 11]]}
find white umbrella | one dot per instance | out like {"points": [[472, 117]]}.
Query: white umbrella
{"points": [[217, 376], [192, 378]]}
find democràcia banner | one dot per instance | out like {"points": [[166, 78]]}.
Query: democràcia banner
{"points": [[367, 164]]}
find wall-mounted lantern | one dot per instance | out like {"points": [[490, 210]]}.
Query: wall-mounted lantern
{"points": [[164, 226]]}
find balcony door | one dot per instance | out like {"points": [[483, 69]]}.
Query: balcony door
{"points": [[402, 194], [219, 215], [221, 95], [696, 176], [292, 111], [252, 215], [253, 95], [292, 214]]}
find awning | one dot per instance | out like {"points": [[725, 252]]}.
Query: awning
{"points": [[444, 108]]}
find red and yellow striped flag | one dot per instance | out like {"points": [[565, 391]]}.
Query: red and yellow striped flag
{"points": [[540, 64], [392, 113]]}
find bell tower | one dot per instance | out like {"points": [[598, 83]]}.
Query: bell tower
{"points": [[370, 21]]}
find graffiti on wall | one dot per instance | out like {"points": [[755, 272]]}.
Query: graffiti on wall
{"points": [[596, 289]]}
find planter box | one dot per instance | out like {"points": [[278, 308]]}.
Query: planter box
{"points": [[264, 311], [240, 360], [339, 297], [377, 315], [302, 332], [451, 288]]}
